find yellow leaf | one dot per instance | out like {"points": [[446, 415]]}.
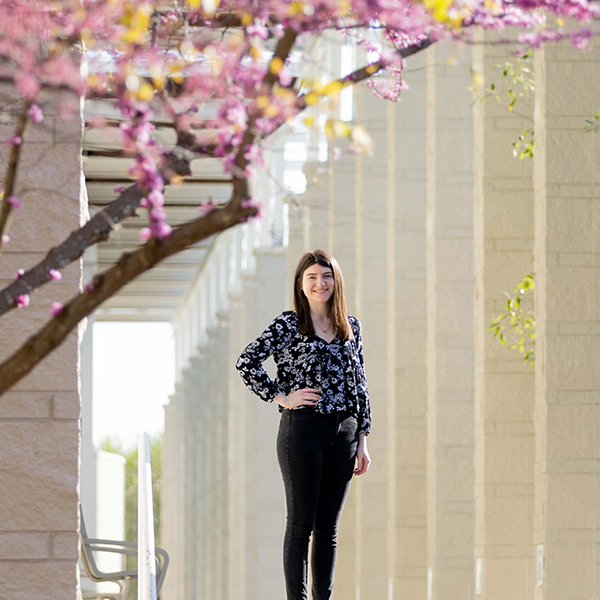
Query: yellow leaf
{"points": [[146, 92], [262, 102], [309, 121], [177, 179], [255, 52], [478, 79], [560, 22], [311, 98], [271, 111], [294, 9], [332, 88], [194, 3], [343, 7], [158, 79], [439, 8], [133, 35], [337, 128], [276, 65]]}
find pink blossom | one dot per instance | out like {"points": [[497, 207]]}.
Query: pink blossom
{"points": [[285, 79], [258, 29], [27, 84], [89, 287], [145, 234], [156, 198], [206, 207], [252, 203], [56, 309], [336, 153], [161, 231], [5, 239], [22, 301], [158, 214], [35, 113], [14, 202], [19, 273], [15, 140], [119, 189], [55, 274]]}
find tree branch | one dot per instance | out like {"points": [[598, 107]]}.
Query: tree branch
{"points": [[284, 47], [100, 226], [105, 285], [11, 174], [368, 71], [97, 229]]}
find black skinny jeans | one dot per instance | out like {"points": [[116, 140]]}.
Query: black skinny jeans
{"points": [[316, 454]]}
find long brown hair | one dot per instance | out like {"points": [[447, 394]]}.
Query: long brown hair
{"points": [[338, 313]]}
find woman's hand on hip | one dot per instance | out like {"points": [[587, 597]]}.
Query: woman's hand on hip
{"points": [[303, 397], [363, 459]]}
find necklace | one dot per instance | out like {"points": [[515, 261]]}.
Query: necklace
{"points": [[315, 320]]}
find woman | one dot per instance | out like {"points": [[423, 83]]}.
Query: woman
{"points": [[322, 395]]}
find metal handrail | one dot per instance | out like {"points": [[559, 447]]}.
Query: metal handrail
{"points": [[146, 546]]}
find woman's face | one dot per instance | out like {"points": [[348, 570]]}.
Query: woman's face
{"points": [[317, 284]]}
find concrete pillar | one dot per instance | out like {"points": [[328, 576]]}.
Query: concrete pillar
{"points": [[39, 416], [450, 300], [409, 451], [236, 454], [166, 501], [341, 243], [504, 385], [251, 330], [375, 307], [270, 509], [201, 508], [567, 214], [189, 491]]}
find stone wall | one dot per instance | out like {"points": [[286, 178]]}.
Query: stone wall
{"points": [[39, 416]]}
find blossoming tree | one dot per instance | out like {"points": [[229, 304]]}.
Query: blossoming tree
{"points": [[172, 58]]}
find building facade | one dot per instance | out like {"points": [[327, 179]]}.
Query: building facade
{"points": [[483, 481]]}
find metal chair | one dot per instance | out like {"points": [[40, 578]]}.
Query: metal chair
{"points": [[121, 578]]}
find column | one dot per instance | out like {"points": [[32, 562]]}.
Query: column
{"points": [[504, 384], [375, 307], [410, 449], [270, 499], [236, 454], [567, 218], [450, 298], [342, 244]]}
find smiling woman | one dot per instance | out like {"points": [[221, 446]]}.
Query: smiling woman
{"points": [[322, 394]]}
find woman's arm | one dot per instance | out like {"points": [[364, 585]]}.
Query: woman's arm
{"points": [[363, 459], [362, 391], [249, 364]]}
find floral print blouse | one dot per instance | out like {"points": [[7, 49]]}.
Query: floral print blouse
{"points": [[335, 368]]}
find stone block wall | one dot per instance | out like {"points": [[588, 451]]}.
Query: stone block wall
{"points": [[504, 385], [39, 416]]}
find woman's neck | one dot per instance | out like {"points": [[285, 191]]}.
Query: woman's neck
{"points": [[320, 311]]}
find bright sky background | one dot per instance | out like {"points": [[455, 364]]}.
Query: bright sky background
{"points": [[134, 374]]}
